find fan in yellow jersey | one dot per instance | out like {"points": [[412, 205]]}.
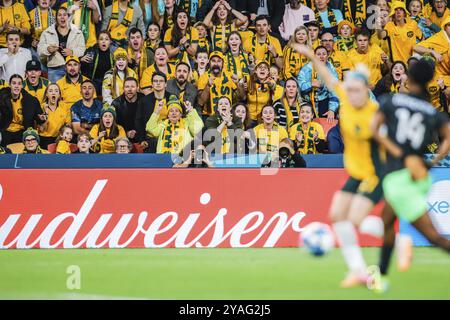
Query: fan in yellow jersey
{"points": [[13, 15], [293, 61], [262, 90], [176, 131], [70, 84], [268, 134], [201, 66], [352, 204], [370, 55], [34, 84], [439, 12], [203, 42], [63, 140], [262, 46], [57, 115], [220, 21], [217, 83], [113, 81], [85, 15], [236, 60], [338, 58], [439, 47], [161, 64], [181, 41], [106, 132], [308, 135], [42, 17], [402, 32]]}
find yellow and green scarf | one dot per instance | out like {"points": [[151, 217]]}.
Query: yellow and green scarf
{"points": [[118, 30]]}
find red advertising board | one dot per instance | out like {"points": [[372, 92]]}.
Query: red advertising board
{"points": [[154, 208]]}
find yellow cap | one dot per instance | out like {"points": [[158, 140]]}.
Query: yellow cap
{"points": [[216, 54], [398, 5], [72, 58], [258, 62]]}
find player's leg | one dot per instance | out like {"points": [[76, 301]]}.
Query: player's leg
{"points": [[388, 218], [425, 226], [343, 228]]}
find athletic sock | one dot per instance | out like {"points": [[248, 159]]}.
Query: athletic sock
{"points": [[372, 225], [348, 240], [385, 258]]}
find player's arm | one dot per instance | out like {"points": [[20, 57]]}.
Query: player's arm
{"points": [[325, 75], [444, 147], [382, 137]]}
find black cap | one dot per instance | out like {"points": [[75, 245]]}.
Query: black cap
{"points": [[33, 65], [313, 23]]}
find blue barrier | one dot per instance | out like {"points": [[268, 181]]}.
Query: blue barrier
{"points": [[80, 161]]}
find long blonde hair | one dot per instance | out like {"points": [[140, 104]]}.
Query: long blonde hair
{"points": [[293, 38]]}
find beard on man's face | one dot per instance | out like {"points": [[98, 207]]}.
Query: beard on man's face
{"points": [[215, 70]]}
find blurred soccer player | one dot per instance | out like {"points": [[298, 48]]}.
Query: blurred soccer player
{"points": [[405, 125], [351, 205]]}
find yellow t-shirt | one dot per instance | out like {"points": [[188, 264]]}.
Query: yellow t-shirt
{"points": [[238, 65], [269, 140], [439, 43], [403, 39], [307, 146], [56, 119], [341, 62], [17, 16], [39, 91], [222, 86], [191, 35], [146, 79], [435, 92], [71, 92], [382, 43], [438, 21], [245, 35], [357, 135], [372, 59], [260, 98], [37, 30], [63, 147], [17, 120], [107, 145], [260, 51]]}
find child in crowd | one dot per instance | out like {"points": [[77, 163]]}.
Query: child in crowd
{"points": [[63, 140], [201, 66], [345, 41], [84, 143]]}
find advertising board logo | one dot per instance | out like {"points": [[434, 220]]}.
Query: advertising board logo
{"points": [[439, 205]]}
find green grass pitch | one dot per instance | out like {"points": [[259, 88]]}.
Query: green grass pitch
{"points": [[279, 273]]}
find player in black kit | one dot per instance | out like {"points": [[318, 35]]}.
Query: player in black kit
{"points": [[404, 125]]}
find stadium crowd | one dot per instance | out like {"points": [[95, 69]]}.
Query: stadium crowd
{"points": [[120, 76]]}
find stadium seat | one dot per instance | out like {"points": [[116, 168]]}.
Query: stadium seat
{"points": [[324, 123], [137, 148], [16, 148], [52, 148]]}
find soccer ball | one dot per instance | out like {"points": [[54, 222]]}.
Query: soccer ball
{"points": [[317, 238]]}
